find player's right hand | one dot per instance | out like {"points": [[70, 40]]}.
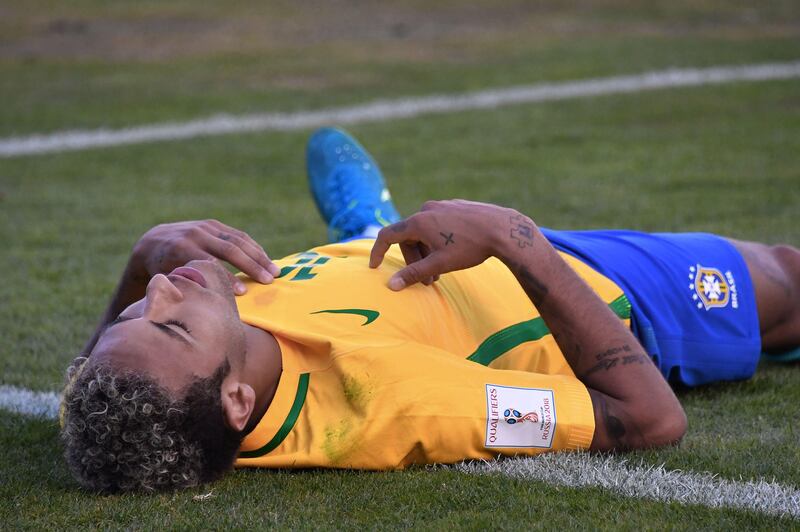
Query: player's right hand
{"points": [[168, 246], [443, 237]]}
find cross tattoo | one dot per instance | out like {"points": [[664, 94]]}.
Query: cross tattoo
{"points": [[448, 238]]}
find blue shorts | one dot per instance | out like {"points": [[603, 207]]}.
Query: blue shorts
{"points": [[693, 302]]}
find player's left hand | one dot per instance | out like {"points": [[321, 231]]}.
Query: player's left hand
{"points": [[444, 236]]}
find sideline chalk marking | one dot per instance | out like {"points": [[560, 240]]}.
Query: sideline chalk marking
{"points": [[26, 402], [382, 110], [645, 482], [575, 470]]}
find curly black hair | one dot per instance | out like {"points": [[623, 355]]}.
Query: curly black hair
{"points": [[124, 432]]}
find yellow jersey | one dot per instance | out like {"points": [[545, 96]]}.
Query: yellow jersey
{"points": [[376, 379]]}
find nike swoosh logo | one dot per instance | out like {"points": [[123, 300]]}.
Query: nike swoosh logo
{"points": [[370, 315]]}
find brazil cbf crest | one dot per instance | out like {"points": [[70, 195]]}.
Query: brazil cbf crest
{"points": [[711, 288]]}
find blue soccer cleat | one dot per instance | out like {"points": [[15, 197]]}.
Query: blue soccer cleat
{"points": [[347, 185]]}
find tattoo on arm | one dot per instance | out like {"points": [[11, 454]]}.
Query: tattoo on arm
{"points": [[521, 230], [607, 359], [606, 364], [634, 359], [614, 425], [613, 351], [535, 289], [448, 238]]}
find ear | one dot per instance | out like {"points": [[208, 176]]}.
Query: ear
{"points": [[238, 400]]}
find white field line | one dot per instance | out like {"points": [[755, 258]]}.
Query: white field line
{"points": [[563, 469], [645, 482], [24, 401], [382, 110]]}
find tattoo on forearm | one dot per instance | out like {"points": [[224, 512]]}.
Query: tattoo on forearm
{"points": [[535, 289], [448, 238], [521, 230], [533, 286], [634, 359], [613, 351], [606, 364], [607, 360]]}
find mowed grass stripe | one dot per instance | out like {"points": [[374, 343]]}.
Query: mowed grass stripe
{"points": [[645, 482], [383, 110], [576, 470]]}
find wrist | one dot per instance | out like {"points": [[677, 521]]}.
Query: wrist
{"points": [[136, 270], [518, 237]]}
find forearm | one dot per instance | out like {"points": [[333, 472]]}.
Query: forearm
{"points": [[633, 405], [591, 337], [131, 288], [625, 385]]}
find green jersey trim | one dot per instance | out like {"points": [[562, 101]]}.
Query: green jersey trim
{"points": [[288, 423], [507, 339]]}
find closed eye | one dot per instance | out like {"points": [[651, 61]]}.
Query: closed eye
{"points": [[178, 323], [164, 327], [169, 331]]}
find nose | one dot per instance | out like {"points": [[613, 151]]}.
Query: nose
{"points": [[161, 294]]}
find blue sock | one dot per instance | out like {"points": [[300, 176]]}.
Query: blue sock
{"points": [[786, 356]]}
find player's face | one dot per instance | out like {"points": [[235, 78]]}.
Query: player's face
{"points": [[185, 327]]}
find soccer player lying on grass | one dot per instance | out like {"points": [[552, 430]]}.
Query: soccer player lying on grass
{"points": [[480, 335]]}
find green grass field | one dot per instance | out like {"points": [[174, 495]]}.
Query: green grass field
{"points": [[724, 159]]}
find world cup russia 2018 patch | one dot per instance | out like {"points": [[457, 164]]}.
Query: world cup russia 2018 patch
{"points": [[519, 417]]}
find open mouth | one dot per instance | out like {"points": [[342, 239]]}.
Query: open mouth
{"points": [[187, 272]]}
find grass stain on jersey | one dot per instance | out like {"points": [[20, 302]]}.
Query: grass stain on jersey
{"points": [[356, 394], [338, 442]]}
